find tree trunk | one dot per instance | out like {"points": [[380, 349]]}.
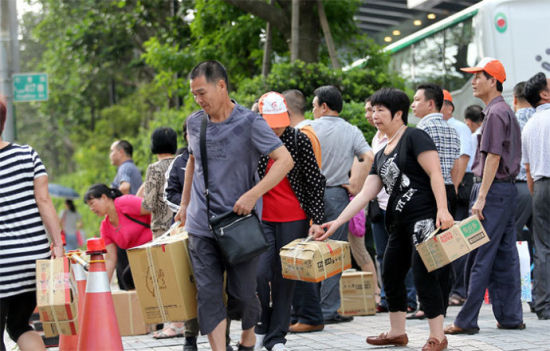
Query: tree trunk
{"points": [[278, 17]]}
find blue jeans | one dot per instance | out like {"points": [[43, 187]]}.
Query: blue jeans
{"points": [[381, 241], [494, 265]]}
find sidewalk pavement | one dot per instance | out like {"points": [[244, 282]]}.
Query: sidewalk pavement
{"points": [[351, 336]]}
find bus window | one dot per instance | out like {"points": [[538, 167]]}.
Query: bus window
{"points": [[438, 57]]}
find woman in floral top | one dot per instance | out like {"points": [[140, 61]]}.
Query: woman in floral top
{"points": [[164, 143]]}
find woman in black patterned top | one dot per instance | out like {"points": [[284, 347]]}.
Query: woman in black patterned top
{"points": [[408, 168], [287, 211]]}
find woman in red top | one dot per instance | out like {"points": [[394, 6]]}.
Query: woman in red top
{"points": [[287, 211], [126, 225]]}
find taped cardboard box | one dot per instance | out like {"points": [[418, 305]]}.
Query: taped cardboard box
{"points": [[128, 313], [440, 249], [164, 279], [56, 297], [314, 261], [357, 294]]}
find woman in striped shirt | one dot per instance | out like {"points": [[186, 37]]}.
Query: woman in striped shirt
{"points": [[26, 212]]}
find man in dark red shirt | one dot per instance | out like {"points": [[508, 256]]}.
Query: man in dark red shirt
{"points": [[494, 265]]}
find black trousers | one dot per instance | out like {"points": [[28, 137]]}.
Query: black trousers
{"points": [[432, 288], [275, 292], [123, 271]]}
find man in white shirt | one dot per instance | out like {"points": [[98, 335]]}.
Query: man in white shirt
{"points": [[535, 151], [463, 180]]}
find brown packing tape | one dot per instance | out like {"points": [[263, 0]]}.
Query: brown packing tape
{"points": [[156, 287], [131, 314]]}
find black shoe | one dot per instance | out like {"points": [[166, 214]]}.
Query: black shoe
{"points": [[543, 315], [245, 348], [228, 348], [190, 344], [520, 326], [339, 319]]}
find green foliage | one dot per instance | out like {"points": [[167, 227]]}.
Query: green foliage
{"points": [[355, 84]]}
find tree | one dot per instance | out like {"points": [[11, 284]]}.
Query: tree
{"points": [[339, 13]]}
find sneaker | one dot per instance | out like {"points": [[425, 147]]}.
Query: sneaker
{"points": [[279, 347], [259, 342]]}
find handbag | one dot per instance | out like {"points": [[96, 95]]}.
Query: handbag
{"points": [[240, 238], [374, 212]]}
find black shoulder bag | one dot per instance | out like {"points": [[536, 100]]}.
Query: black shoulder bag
{"points": [[241, 238]]}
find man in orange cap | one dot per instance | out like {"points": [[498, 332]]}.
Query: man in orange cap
{"points": [[494, 265]]}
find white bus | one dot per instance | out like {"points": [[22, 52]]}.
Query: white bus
{"points": [[517, 32]]}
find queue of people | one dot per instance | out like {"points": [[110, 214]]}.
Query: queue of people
{"points": [[297, 176]]}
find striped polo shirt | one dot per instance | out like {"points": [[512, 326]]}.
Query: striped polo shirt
{"points": [[23, 238]]}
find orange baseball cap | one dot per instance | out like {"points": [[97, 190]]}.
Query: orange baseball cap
{"points": [[273, 109], [491, 66], [447, 96]]}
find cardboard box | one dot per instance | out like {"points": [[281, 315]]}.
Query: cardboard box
{"points": [[56, 297], [314, 261], [128, 313], [440, 249], [164, 279], [357, 294]]}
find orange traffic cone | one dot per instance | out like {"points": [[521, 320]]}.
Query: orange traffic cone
{"points": [[99, 328], [70, 342]]}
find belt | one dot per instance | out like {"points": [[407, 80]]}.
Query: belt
{"points": [[478, 180]]}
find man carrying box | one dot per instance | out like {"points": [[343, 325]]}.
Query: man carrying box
{"points": [[236, 139], [494, 265]]}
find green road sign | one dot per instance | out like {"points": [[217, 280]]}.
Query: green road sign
{"points": [[30, 87]]}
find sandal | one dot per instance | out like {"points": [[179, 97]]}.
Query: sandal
{"points": [[166, 334], [456, 300]]}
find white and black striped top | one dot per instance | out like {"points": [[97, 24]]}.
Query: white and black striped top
{"points": [[23, 238]]}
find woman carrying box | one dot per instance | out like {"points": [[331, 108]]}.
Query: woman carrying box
{"points": [[408, 168], [126, 225]]}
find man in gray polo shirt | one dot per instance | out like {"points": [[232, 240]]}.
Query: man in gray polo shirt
{"points": [[340, 142], [236, 138]]}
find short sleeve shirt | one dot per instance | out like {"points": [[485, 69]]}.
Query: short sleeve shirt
{"points": [[523, 115], [414, 196], [128, 172], [340, 142], [500, 135], [536, 144], [128, 234], [465, 135], [445, 139], [234, 148]]}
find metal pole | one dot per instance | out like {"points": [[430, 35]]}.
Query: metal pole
{"points": [[295, 31], [9, 61]]}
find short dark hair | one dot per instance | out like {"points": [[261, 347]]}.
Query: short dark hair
{"points": [[432, 92], [499, 84], [474, 113], [295, 100], [330, 95], [394, 100], [164, 140], [126, 147], [533, 87], [97, 190], [518, 91], [70, 205], [212, 71], [449, 103], [3, 113]]}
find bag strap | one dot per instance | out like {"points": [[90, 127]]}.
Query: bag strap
{"points": [[204, 162], [137, 221], [401, 162]]}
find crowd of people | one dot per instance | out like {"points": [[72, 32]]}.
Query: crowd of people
{"points": [[310, 178]]}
